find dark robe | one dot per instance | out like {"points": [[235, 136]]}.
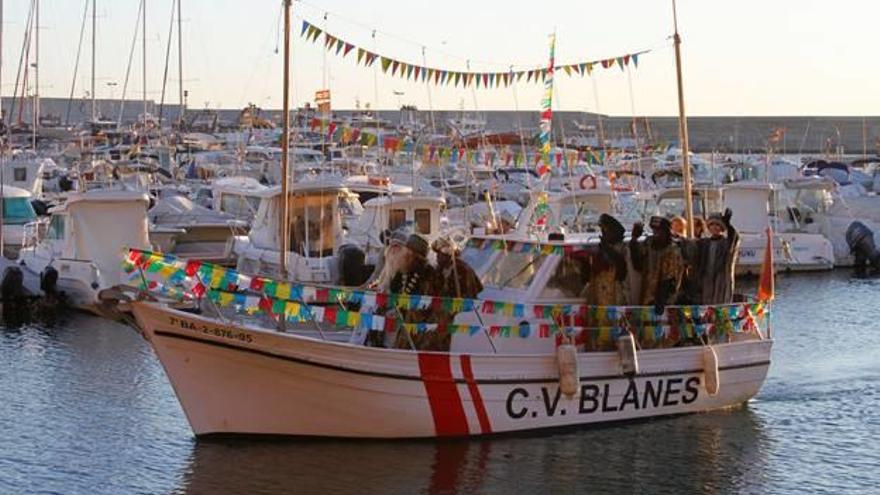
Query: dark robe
{"points": [[716, 265], [608, 275], [420, 280]]}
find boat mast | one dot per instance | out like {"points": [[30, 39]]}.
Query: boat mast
{"points": [[683, 131], [35, 118], [285, 143], [94, 23], [2, 137], [182, 109], [144, 63]]}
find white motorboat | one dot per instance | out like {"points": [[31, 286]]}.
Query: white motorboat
{"points": [[18, 217], [755, 209], [83, 242], [202, 233]]}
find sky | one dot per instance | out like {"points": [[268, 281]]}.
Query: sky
{"points": [[743, 58]]}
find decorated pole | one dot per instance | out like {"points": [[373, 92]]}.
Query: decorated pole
{"points": [[285, 145], [539, 216], [683, 131]]}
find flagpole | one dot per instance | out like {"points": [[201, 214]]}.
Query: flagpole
{"points": [[683, 131], [285, 143]]}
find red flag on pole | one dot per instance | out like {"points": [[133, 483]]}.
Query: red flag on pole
{"points": [[766, 285]]}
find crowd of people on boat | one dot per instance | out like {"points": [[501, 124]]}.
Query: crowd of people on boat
{"points": [[667, 267]]}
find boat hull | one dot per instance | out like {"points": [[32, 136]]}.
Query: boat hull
{"points": [[238, 379]]}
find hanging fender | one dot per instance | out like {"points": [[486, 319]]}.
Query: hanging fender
{"points": [[592, 181]]}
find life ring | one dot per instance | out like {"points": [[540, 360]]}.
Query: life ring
{"points": [[592, 179]]}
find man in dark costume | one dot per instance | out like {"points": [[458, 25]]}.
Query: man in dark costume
{"points": [[454, 278], [716, 260], [411, 274], [607, 267], [659, 262]]}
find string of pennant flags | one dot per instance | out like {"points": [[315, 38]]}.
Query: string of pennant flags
{"points": [[445, 77], [190, 279]]}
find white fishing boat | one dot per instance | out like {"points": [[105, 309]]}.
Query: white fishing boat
{"points": [[509, 368]]}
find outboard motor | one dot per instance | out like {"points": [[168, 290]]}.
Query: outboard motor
{"points": [[353, 270], [860, 240], [15, 303]]}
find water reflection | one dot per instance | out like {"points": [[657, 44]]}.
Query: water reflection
{"points": [[707, 453]]}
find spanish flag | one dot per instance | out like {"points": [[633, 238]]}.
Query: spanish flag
{"points": [[766, 285]]}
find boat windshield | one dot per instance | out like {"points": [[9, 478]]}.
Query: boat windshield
{"points": [[18, 211], [239, 205], [513, 270]]}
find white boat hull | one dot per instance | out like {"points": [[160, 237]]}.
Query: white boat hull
{"points": [[243, 380]]}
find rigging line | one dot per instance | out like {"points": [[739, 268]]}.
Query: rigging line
{"points": [[635, 123], [137, 25], [82, 31]]}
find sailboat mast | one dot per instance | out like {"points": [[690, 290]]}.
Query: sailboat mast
{"points": [[180, 60], [144, 63], [35, 118], [683, 131], [2, 138], [285, 144], [94, 24]]}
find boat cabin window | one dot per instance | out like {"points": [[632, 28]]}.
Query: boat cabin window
{"points": [[19, 174], [513, 270], [569, 278], [18, 211], [238, 205], [423, 220], [56, 227], [311, 225], [396, 218]]}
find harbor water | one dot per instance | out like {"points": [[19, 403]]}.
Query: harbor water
{"points": [[86, 408]]}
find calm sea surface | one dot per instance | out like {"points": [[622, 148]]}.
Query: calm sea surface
{"points": [[86, 408]]}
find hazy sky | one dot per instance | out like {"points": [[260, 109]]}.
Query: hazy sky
{"points": [[748, 57]]}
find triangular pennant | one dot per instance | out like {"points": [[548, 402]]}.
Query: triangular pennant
{"points": [[635, 59], [529, 78], [626, 60], [457, 78], [507, 79], [443, 75], [492, 79], [417, 71], [607, 63], [436, 76], [394, 65], [348, 48], [583, 68], [386, 63], [328, 38], [371, 59], [304, 28], [567, 69], [315, 34], [486, 80], [360, 55], [424, 73], [479, 79], [339, 45], [620, 62], [589, 68], [519, 75], [409, 72]]}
